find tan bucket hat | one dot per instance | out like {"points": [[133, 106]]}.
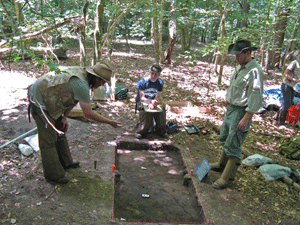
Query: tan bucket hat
{"points": [[101, 70]]}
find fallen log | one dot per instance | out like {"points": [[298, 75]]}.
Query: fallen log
{"points": [[271, 135], [39, 52], [38, 33], [290, 182]]}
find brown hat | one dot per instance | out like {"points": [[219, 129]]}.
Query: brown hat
{"points": [[101, 70], [240, 46]]}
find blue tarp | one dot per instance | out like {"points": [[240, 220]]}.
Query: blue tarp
{"points": [[274, 97]]}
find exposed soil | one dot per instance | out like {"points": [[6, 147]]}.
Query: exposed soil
{"points": [[154, 178], [26, 198]]}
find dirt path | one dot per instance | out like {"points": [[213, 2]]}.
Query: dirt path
{"points": [[26, 198]]}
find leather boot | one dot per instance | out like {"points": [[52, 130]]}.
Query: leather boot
{"points": [[220, 165], [229, 172], [282, 116]]}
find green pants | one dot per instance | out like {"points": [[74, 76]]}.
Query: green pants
{"points": [[230, 137], [55, 152]]}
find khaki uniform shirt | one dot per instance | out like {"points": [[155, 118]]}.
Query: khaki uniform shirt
{"points": [[246, 87]]}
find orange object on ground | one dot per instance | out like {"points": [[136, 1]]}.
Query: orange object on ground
{"points": [[113, 168]]}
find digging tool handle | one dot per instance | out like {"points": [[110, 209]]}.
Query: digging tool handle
{"points": [[17, 138]]}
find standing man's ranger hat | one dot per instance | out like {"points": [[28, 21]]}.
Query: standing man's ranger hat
{"points": [[101, 70], [240, 46]]}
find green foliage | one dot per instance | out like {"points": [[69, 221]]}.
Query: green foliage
{"points": [[192, 57], [204, 17], [21, 50]]}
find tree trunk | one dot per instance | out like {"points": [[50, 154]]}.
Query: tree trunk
{"points": [[290, 42], [10, 19], [110, 37], [111, 34], [115, 23], [169, 50], [214, 32], [18, 9], [155, 31], [192, 26], [61, 2], [1, 28], [279, 32], [98, 33], [161, 32], [263, 42], [172, 33], [127, 36], [245, 11], [183, 27], [183, 37], [82, 42], [222, 50]]}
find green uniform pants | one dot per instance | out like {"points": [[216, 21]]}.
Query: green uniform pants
{"points": [[230, 137], [55, 152]]}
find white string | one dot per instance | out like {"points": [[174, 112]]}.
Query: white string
{"points": [[60, 133]]}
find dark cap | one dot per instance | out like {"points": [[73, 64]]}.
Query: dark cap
{"points": [[156, 68], [240, 46]]}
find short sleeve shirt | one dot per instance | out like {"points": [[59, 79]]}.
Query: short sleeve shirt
{"points": [[80, 89], [294, 67], [149, 88]]}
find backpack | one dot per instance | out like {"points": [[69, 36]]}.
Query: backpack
{"points": [[121, 93], [290, 148]]}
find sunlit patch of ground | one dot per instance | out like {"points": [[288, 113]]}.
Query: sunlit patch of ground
{"points": [[13, 88]]}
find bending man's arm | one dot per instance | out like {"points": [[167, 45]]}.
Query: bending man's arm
{"points": [[92, 115]]}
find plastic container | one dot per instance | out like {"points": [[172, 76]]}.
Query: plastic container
{"points": [[25, 149]]}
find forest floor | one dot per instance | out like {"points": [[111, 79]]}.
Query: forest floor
{"points": [[26, 198]]}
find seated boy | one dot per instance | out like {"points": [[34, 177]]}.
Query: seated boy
{"points": [[149, 91]]}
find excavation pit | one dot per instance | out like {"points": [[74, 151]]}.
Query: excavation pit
{"points": [[152, 185]]}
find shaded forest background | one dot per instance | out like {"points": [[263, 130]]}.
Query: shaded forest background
{"points": [[43, 30], [190, 40]]}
